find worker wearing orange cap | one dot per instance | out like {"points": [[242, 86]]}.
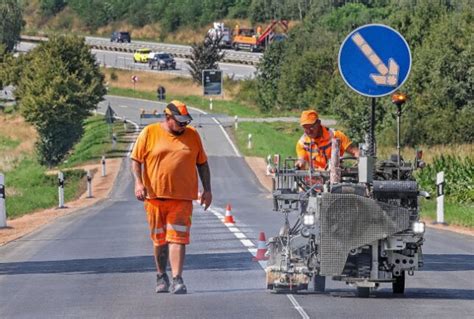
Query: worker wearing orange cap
{"points": [[164, 161], [316, 140]]}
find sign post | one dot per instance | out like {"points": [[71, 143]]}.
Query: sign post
{"points": [[374, 60], [134, 80]]}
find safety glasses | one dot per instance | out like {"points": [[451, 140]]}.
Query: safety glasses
{"points": [[182, 124]]}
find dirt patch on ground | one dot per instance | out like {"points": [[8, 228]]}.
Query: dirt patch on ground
{"points": [[101, 187]]}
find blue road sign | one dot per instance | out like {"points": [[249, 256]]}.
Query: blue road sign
{"points": [[374, 60]]}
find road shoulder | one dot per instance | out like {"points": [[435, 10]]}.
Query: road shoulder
{"points": [[101, 188]]}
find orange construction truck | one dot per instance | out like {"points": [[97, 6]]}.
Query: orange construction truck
{"points": [[256, 40]]}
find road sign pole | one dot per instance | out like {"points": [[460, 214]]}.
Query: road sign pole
{"points": [[372, 129]]}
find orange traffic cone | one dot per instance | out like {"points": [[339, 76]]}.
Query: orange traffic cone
{"points": [[228, 215], [261, 248]]}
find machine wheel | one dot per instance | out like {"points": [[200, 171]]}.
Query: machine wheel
{"points": [[319, 283], [363, 292], [398, 286]]}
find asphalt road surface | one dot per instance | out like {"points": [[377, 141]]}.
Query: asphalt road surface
{"points": [[98, 263]]}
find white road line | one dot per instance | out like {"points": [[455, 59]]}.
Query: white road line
{"points": [[297, 306], [237, 153], [251, 249]]}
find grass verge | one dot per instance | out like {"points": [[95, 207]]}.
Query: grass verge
{"points": [[454, 213], [29, 187], [32, 189]]}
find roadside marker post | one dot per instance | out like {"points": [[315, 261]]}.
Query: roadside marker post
{"points": [[103, 166], [249, 144], [89, 184], [3, 211], [114, 141], [210, 104], [236, 122], [440, 198], [61, 189], [124, 123]]}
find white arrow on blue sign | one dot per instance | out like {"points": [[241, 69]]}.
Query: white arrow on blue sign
{"points": [[374, 60]]}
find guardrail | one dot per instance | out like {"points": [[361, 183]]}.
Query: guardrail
{"points": [[179, 51]]}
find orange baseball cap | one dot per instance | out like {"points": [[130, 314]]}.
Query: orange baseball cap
{"points": [[308, 117], [179, 111]]}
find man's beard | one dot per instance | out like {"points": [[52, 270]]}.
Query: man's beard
{"points": [[176, 133]]}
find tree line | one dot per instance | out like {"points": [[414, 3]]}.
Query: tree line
{"points": [[173, 14]]}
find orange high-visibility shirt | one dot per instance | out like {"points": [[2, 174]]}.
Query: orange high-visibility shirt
{"points": [[169, 162], [321, 147]]}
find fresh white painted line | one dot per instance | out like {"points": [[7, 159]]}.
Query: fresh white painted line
{"points": [[297, 306], [228, 137], [239, 235], [251, 249]]}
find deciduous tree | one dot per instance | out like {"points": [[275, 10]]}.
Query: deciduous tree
{"points": [[11, 23], [60, 85]]}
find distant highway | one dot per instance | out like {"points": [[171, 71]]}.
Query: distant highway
{"points": [[124, 60]]}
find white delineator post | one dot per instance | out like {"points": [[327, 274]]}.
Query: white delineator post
{"points": [[61, 189], [3, 211], [103, 165], [269, 165], [210, 104], [236, 122], [124, 123], [89, 184], [249, 144], [440, 198]]}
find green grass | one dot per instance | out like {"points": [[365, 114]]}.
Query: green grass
{"points": [[97, 141], [268, 138], [33, 190], [28, 186], [8, 143], [454, 213]]}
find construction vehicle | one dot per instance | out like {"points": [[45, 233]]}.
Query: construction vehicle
{"points": [[256, 40], [358, 224], [219, 31]]}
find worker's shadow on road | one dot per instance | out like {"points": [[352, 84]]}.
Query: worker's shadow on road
{"points": [[239, 261]]}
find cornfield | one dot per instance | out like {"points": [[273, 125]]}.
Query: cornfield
{"points": [[458, 177]]}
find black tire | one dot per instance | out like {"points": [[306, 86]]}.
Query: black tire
{"points": [[398, 286], [363, 292], [319, 283]]}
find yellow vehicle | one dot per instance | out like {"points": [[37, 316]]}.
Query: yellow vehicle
{"points": [[141, 55]]}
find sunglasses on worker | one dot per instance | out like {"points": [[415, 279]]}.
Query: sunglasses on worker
{"points": [[182, 124]]}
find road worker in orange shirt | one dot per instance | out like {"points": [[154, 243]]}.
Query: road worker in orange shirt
{"points": [[164, 161], [317, 140]]}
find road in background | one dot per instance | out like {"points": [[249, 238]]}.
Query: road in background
{"points": [[124, 60]]}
